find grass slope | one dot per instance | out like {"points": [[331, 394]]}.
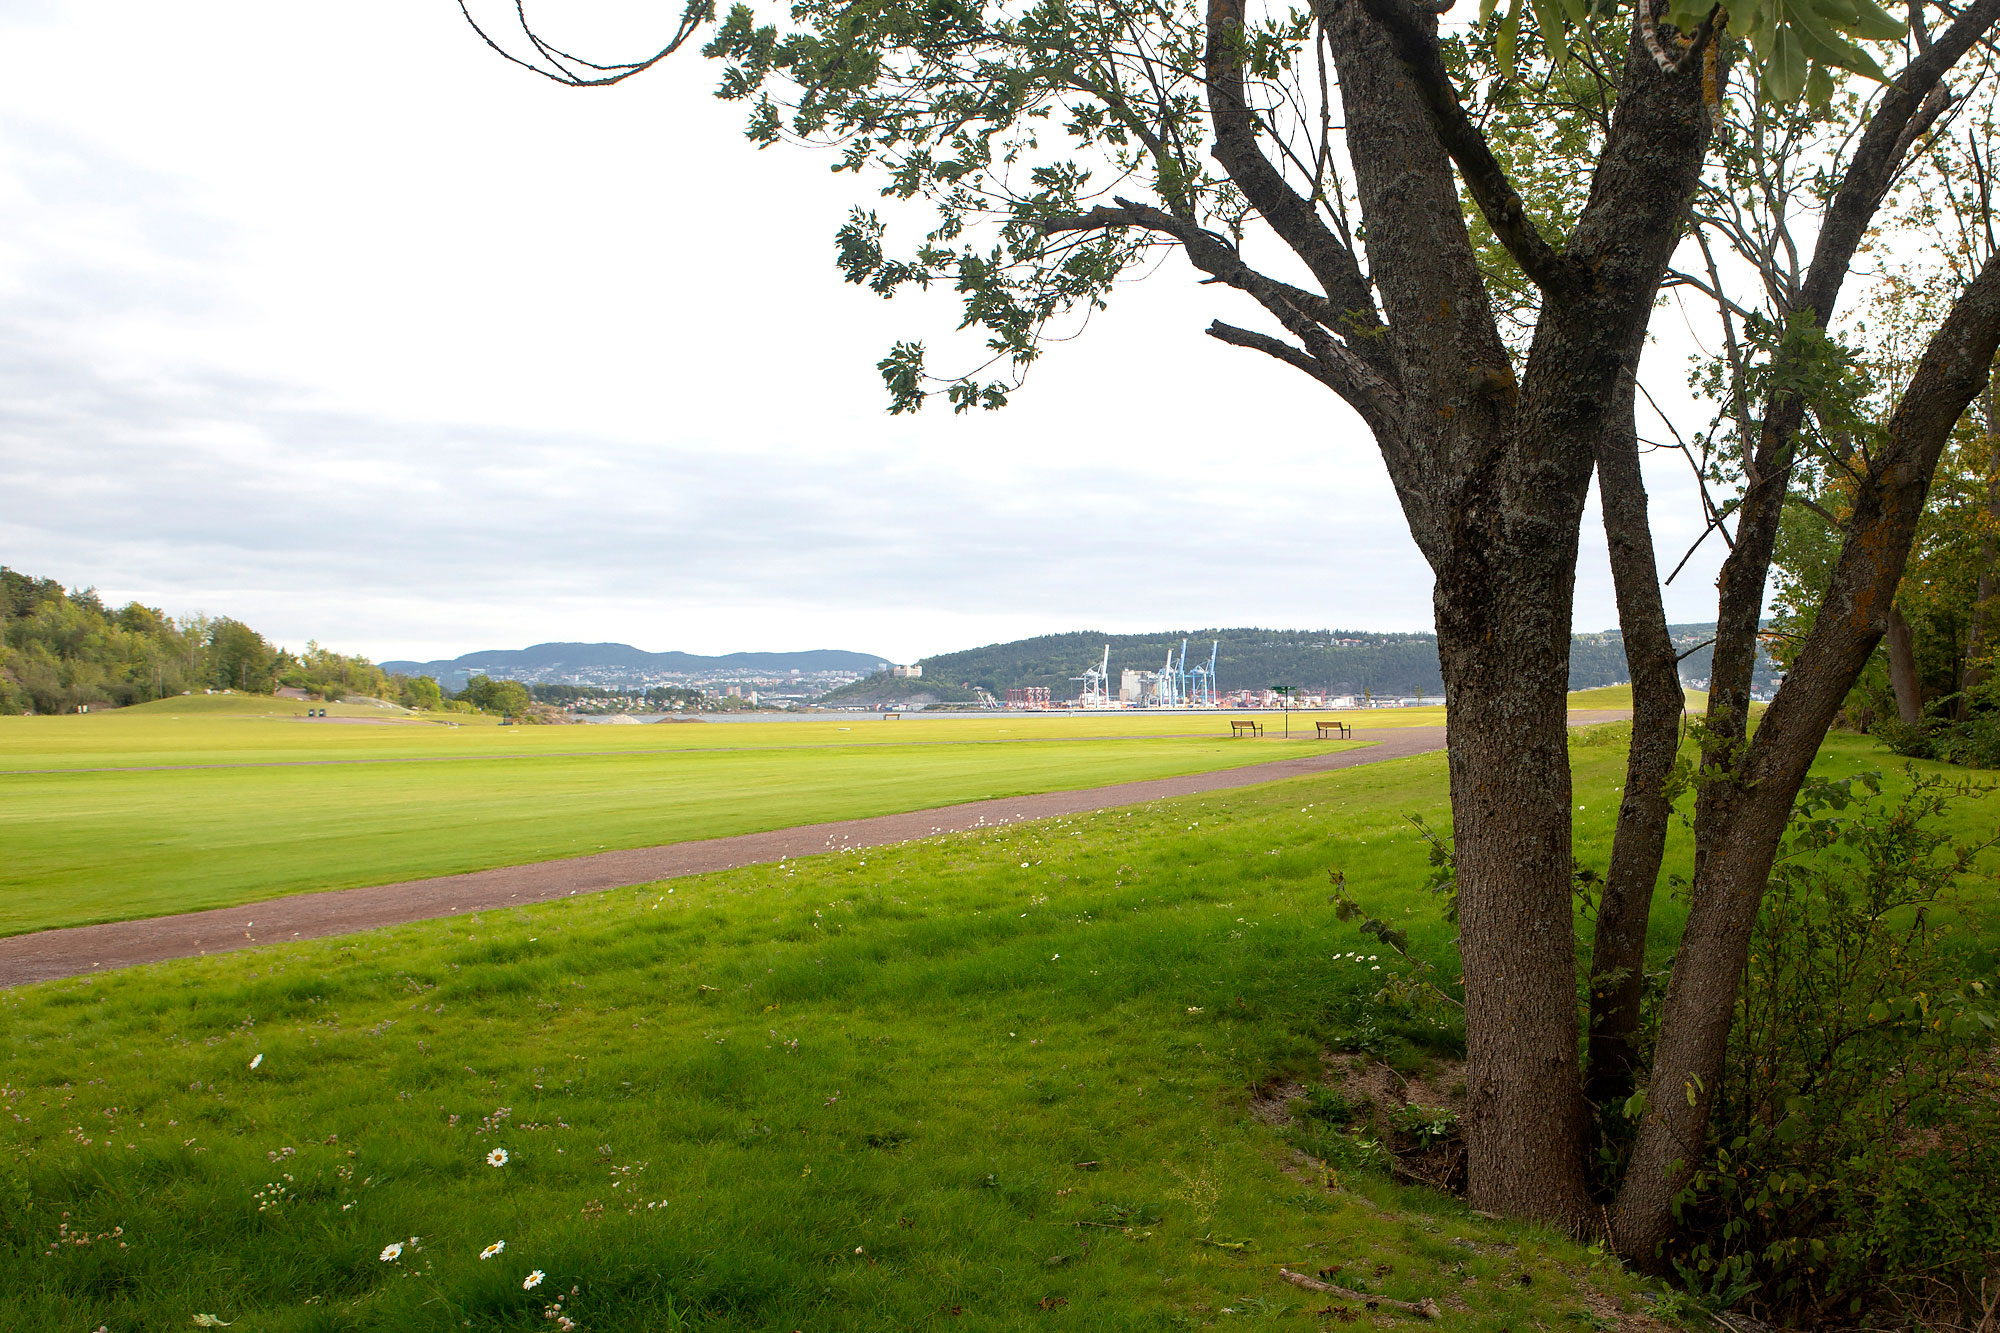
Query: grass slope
{"points": [[238, 808], [845, 1093]]}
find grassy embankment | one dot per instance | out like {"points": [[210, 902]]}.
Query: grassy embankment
{"points": [[847, 1092], [220, 800]]}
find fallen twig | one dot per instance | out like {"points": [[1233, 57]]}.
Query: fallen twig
{"points": [[1223, 1244], [1423, 1309]]}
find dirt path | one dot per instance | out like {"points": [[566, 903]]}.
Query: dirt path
{"points": [[50, 954]]}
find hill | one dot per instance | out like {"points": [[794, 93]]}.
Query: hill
{"points": [[1338, 661], [621, 663]]}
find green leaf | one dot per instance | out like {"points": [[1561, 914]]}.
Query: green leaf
{"points": [[1823, 44], [1510, 30], [1549, 19], [1785, 71], [1819, 88]]}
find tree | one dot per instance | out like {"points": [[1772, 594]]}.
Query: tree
{"points": [[507, 697], [1494, 363], [239, 658], [419, 692]]}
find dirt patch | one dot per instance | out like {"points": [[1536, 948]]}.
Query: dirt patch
{"points": [[1413, 1117]]}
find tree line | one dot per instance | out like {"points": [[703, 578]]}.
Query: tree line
{"points": [[63, 649]]}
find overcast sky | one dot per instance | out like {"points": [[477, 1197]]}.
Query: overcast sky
{"points": [[326, 318]]}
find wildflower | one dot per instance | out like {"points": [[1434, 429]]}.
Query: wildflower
{"points": [[498, 1157], [532, 1280], [392, 1252], [1024, 865], [493, 1249], [258, 1061]]}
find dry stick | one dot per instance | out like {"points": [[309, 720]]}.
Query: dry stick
{"points": [[1423, 1309]]}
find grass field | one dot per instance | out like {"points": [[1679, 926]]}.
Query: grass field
{"points": [[219, 800], [849, 1092], [845, 1093]]}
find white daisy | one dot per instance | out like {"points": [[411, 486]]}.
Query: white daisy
{"points": [[493, 1249], [391, 1253], [532, 1280], [258, 1061], [498, 1157]]}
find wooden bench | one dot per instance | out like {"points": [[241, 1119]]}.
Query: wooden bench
{"points": [[1245, 726], [1333, 729]]}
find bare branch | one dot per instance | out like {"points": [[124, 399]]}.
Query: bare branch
{"points": [[1292, 216], [576, 72]]}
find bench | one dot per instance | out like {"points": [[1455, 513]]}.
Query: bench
{"points": [[1334, 729], [1245, 726]]}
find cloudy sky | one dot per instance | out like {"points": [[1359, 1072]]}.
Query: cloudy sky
{"points": [[328, 319]]}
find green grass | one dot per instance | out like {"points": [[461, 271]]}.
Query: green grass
{"points": [[854, 1091], [1620, 696], [844, 1093], [147, 812]]}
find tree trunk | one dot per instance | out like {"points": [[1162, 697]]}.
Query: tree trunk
{"points": [[1624, 913], [1503, 643], [1903, 679], [1742, 839]]}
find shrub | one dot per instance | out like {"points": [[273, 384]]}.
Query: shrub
{"points": [[1854, 1154]]}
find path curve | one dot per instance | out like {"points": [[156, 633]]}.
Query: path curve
{"points": [[77, 950]]}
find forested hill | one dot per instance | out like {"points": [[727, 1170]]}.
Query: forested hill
{"points": [[63, 650], [1340, 661], [567, 661]]}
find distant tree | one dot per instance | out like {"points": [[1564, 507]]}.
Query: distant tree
{"points": [[239, 658], [419, 692], [507, 697]]}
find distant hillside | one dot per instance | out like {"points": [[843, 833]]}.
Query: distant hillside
{"points": [[1339, 661], [605, 662]]}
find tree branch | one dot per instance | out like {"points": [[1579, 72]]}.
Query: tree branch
{"points": [[1414, 38], [1908, 102], [576, 72], [1290, 214]]}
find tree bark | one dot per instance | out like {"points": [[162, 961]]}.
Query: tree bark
{"points": [[1903, 679], [1500, 610], [1624, 912], [1743, 840]]}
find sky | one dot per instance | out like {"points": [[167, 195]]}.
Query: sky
{"points": [[328, 319]]}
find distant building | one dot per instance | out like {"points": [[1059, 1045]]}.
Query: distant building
{"points": [[910, 672]]}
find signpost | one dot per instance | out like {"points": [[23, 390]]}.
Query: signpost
{"points": [[1284, 692]]}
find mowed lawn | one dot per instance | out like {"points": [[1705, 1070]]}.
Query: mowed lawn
{"points": [[986, 1081], [213, 802]]}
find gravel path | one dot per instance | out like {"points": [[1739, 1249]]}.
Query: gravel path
{"points": [[74, 951]]}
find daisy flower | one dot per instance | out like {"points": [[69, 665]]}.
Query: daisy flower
{"points": [[493, 1249], [258, 1061], [393, 1252], [498, 1157], [532, 1280]]}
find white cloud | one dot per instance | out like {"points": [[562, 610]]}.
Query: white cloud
{"points": [[354, 331]]}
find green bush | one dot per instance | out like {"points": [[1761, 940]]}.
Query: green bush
{"points": [[1854, 1153]]}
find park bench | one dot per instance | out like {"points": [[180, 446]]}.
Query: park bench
{"points": [[1334, 730], [1245, 726]]}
